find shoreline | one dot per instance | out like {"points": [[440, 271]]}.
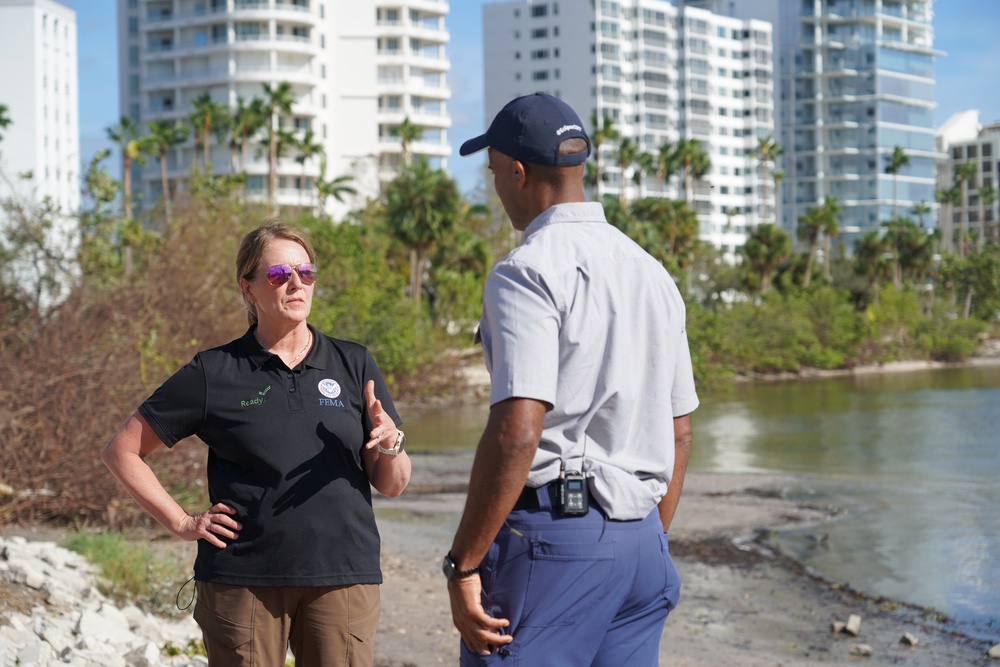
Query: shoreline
{"points": [[743, 601]]}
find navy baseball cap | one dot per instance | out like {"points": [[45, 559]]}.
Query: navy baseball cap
{"points": [[530, 129]]}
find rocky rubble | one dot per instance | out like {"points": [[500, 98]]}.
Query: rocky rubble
{"points": [[77, 625]]}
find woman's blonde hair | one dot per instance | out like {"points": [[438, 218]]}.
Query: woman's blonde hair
{"points": [[252, 249]]}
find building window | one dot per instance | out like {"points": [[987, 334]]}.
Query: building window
{"points": [[539, 33], [539, 10], [541, 75]]}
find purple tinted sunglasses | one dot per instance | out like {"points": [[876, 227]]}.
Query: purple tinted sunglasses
{"points": [[279, 274]]}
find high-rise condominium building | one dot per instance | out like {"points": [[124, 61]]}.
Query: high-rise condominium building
{"points": [[412, 80], [355, 69], [40, 149], [963, 140], [662, 75], [855, 81]]}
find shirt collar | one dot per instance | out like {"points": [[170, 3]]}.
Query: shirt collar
{"points": [[569, 212], [317, 357]]}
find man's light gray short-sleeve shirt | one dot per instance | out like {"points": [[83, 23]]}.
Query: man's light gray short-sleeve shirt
{"points": [[581, 318]]}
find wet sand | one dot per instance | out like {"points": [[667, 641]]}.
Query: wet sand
{"points": [[742, 603]]}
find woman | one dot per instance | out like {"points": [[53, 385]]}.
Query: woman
{"points": [[288, 553]]}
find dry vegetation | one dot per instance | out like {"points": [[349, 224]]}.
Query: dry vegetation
{"points": [[76, 373]]}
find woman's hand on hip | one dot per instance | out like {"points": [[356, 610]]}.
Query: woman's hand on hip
{"points": [[212, 525]]}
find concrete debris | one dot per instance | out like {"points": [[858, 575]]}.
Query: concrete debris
{"points": [[853, 625], [994, 652], [908, 639], [78, 626], [838, 627], [862, 650]]}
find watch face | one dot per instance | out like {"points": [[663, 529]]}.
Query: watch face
{"points": [[448, 567]]}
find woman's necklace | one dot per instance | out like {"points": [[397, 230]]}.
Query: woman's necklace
{"points": [[297, 354]]}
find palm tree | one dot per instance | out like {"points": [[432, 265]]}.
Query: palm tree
{"points": [[948, 198], [645, 164], [816, 221], [278, 100], [422, 205], [666, 163], [626, 155], [897, 161], [987, 195], [964, 174], [766, 247], [337, 187], [247, 120], [126, 135], [767, 153], [408, 133], [920, 209], [208, 118], [4, 119], [164, 136], [871, 259], [307, 148], [602, 134], [694, 164]]}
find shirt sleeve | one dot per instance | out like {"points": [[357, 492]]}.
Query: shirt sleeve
{"points": [[683, 396], [176, 409], [520, 334]]}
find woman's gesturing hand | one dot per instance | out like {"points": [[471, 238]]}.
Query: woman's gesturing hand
{"points": [[383, 428]]}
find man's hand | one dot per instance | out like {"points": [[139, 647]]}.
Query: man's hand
{"points": [[478, 629]]}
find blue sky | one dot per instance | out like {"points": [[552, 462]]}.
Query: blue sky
{"points": [[966, 78]]}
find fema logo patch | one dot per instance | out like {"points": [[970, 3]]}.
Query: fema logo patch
{"points": [[329, 388]]}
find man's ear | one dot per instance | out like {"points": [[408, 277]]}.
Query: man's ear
{"points": [[519, 171]]}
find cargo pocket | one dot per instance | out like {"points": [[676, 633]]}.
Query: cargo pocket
{"points": [[365, 608], [219, 630], [565, 582]]}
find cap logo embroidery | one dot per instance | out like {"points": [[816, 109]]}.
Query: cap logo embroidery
{"points": [[567, 128]]}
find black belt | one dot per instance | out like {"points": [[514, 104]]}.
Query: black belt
{"points": [[528, 500]]}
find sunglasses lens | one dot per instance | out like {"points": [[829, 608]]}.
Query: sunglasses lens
{"points": [[279, 274], [308, 273]]}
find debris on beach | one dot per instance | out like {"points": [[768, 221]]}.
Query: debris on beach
{"points": [[994, 652], [853, 625], [838, 627], [908, 639], [862, 650]]}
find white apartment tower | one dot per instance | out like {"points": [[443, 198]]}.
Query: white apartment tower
{"points": [[412, 80], [662, 75], [172, 51], [42, 99], [961, 140], [855, 80]]}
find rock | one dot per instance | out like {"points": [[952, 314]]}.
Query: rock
{"points": [[862, 650], [36, 652], [853, 626], [105, 623], [147, 655], [994, 652], [908, 639], [838, 627]]}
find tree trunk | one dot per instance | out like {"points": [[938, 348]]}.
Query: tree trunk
{"points": [[165, 184], [126, 186], [809, 264], [414, 286], [968, 302]]}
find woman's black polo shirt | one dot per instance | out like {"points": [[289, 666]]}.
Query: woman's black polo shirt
{"points": [[284, 450]]}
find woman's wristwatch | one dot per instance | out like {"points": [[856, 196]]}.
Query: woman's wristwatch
{"points": [[396, 448]]}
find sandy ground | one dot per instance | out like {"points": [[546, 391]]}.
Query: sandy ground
{"points": [[741, 604]]}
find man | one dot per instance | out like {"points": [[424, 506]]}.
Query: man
{"points": [[561, 555]]}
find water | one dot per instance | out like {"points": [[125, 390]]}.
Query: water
{"points": [[917, 452]]}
